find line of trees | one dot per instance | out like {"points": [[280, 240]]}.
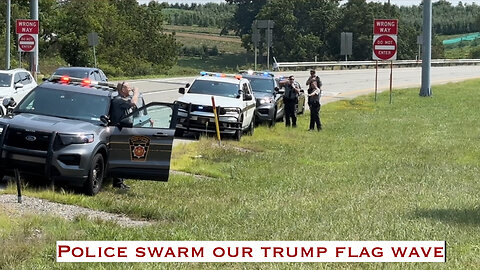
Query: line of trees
{"points": [[208, 15], [131, 36], [132, 41], [305, 29]]}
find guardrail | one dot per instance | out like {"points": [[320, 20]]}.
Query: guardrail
{"points": [[435, 62]]}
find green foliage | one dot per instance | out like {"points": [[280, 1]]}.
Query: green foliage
{"points": [[208, 15], [475, 53]]}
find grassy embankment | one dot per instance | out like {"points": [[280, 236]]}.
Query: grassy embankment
{"points": [[405, 171]]}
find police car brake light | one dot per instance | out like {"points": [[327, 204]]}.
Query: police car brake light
{"points": [[86, 82], [65, 79]]}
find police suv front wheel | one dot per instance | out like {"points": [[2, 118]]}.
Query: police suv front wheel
{"points": [[95, 176]]}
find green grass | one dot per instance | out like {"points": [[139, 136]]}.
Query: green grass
{"points": [[402, 171]]}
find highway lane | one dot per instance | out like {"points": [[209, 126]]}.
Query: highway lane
{"points": [[337, 84]]}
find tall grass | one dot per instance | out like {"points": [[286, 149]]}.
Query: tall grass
{"points": [[378, 171]]}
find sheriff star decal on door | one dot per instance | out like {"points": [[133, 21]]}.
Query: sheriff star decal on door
{"points": [[139, 148]]}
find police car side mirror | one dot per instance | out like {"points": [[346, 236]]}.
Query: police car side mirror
{"points": [[181, 90], [18, 85], [9, 102], [187, 85], [105, 120], [248, 97]]}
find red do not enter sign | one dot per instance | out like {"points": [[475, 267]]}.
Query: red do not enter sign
{"points": [[385, 47], [26, 43]]}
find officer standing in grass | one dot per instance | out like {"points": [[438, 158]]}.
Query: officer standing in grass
{"points": [[314, 92], [290, 99], [121, 106]]}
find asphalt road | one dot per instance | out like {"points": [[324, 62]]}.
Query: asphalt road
{"points": [[337, 84]]}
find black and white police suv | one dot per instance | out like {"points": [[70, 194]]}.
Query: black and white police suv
{"points": [[233, 98], [61, 131]]}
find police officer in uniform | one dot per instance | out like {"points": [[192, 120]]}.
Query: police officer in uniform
{"points": [[290, 99], [314, 92]]}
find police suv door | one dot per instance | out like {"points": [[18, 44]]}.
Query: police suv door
{"points": [[143, 150], [248, 104]]}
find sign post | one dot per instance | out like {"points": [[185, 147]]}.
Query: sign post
{"points": [[268, 26], [385, 45], [346, 39], [93, 41]]}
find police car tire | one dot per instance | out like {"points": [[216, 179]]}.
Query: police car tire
{"points": [[303, 109], [274, 119], [93, 184], [251, 128], [179, 132]]}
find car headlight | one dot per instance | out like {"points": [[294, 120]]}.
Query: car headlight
{"points": [[76, 138], [266, 100], [230, 110]]}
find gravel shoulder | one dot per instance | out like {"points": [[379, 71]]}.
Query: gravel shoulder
{"points": [[31, 205]]}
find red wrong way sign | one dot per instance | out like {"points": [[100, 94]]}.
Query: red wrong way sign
{"points": [[385, 27], [26, 43], [385, 47]]}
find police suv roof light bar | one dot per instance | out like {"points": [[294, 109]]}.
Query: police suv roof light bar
{"points": [[222, 75]]}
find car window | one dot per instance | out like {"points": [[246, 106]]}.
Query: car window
{"points": [[65, 104], [245, 89], [215, 88], [262, 85], [97, 76], [26, 78], [74, 73], [17, 78], [103, 76], [5, 80], [153, 116]]}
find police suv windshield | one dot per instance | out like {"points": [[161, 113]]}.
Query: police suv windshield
{"points": [[75, 73], [215, 88], [262, 85], [65, 104], [5, 80]]}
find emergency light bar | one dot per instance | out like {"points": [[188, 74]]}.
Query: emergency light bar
{"points": [[221, 75], [258, 73], [83, 82]]}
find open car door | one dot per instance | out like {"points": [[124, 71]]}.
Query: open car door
{"points": [[141, 147]]}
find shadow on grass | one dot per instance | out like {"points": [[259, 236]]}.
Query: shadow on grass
{"points": [[455, 216]]}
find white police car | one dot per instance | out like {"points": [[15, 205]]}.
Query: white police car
{"points": [[234, 101]]}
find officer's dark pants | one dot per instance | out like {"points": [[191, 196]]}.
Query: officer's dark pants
{"points": [[290, 112], [315, 115]]}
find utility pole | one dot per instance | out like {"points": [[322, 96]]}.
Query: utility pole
{"points": [[34, 55], [7, 35], [425, 90]]}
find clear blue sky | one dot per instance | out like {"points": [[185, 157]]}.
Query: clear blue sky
{"points": [[396, 2]]}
